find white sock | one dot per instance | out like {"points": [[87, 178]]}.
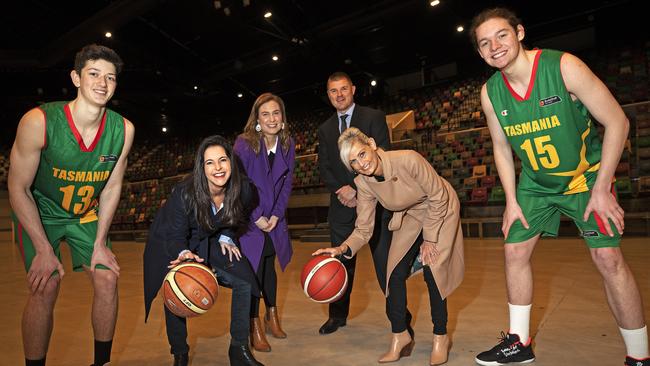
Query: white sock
{"points": [[520, 321], [636, 342]]}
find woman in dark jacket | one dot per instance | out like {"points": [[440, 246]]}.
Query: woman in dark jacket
{"points": [[201, 221]]}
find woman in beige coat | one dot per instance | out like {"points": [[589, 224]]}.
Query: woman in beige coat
{"points": [[426, 221]]}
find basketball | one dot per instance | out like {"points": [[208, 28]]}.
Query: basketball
{"points": [[324, 279], [190, 289]]}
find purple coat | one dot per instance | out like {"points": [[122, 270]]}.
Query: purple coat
{"points": [[274, 188]]}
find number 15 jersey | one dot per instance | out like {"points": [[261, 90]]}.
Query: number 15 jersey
{"points": [[71, 175], [553, 136]]}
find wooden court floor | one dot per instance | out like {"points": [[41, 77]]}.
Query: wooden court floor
{"points": [[571, 321]]}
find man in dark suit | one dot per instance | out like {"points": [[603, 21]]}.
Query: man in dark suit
{"points": [[340, 182]]}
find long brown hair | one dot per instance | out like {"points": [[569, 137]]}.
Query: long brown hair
{"points": [[252, 137], [198, 193]]}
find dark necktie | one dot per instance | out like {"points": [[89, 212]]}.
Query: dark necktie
{"points": [[343, 126]]}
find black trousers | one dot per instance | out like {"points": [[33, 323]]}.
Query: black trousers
{"points": [[239, 321], [338, 233], [396, 302], [267, 278]]}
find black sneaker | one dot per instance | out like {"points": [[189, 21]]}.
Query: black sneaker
{"points": [[629, 361], [509, 350]]}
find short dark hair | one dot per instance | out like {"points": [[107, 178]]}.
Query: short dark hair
{"points": [[97, 52], [488, 14], [338, 76]]}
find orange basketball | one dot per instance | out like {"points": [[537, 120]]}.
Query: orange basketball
{"points": [[324, 279], [190, 289]]}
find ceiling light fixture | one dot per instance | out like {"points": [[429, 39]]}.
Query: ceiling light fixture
{"points": [[240, 95], [275, 58], [268, 14], [434, 2], [460, 29], [108, 34], [373, 83]]}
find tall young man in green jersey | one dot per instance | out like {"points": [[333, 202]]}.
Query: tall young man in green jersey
{"points": [[65, 178], [539, 103]]}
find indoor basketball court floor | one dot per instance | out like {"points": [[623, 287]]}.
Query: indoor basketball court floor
{"points": [[571, 321]]}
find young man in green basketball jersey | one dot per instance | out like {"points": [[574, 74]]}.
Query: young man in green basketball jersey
{"points": [[540, 104], [65, 178]]}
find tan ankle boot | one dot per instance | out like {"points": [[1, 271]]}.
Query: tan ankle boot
{"points": [[273, 323], [401, 345], [440, 350], [258, 339]]}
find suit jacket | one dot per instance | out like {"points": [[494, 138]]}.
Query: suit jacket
{"points": [[274, 185], [421, 201], [334, 174], [174, 229]]}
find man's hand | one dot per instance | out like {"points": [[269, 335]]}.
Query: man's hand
{"points": [[103, 255], [43, 266], [347, 196], [603, 203], [510, 215]]}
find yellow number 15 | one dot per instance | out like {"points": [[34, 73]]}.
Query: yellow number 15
{"points": [[546, 153]]}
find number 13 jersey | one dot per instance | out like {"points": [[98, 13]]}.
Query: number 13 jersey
{"points": [[71, 175], [553, 136]]}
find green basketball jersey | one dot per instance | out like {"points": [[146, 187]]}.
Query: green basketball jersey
{"points": [[71, 175], [553, 135]]}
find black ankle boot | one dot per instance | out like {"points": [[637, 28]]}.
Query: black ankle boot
{"points": [[181, 360], [242, 356]]}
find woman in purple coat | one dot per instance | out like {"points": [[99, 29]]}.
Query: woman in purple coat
{"points": [[268, 153]]}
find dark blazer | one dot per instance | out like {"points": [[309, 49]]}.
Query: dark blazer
{"points": [[175, 229], [334, 174]]}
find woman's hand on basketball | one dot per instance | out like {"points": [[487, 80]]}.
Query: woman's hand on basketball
{"points": [[231, 249], [429, 253], [104, 255], [603, 203], [184, 256], [510, 215], [41, 270], [332, 252]]}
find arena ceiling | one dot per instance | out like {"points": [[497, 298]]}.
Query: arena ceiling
{"points": [[188, 60]]}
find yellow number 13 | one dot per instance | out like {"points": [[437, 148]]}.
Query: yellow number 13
{"points": [[541, 147], [86, 194]]}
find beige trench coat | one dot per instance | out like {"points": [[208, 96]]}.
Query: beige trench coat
{"points": [[421, 201]]}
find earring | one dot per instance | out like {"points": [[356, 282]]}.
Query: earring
{"points": [[282, 128], [258, 128]]}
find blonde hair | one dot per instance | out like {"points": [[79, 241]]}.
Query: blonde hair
{"points": [[251, 136], [347, 139]]}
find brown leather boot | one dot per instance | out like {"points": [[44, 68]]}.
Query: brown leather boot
{"points": [[401, 345], [440, 350], [273, 323], [258, 339]]}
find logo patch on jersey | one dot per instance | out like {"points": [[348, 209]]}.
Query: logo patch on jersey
{"points": [[590, 234], [107, 158], [504, 112], [550, 100]]}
